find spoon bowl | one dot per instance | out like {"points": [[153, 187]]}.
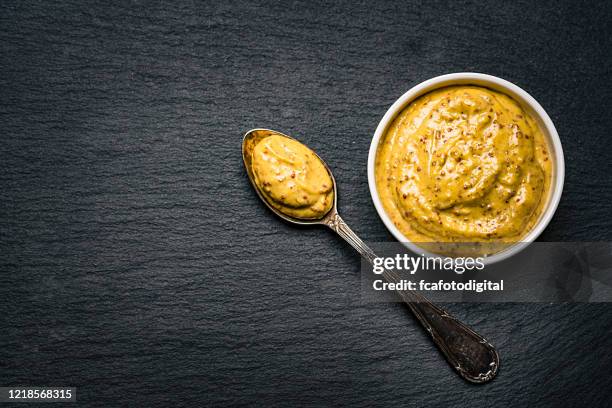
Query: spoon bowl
{"points": [[250, 140]]}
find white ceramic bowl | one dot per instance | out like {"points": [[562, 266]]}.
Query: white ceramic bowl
{"points": [[497, 84]]}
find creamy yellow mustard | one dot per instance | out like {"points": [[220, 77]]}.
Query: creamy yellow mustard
{"points": [[292, 177], [463, 164]]}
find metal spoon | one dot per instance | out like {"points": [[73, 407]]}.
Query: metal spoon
{"points": [[470, 354]]}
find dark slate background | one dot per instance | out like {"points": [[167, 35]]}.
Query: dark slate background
{"points": [[138, 265]]}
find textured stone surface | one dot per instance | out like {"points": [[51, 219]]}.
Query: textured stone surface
{"points": [[137, 264]]}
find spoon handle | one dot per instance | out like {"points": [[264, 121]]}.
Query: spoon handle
{"points": [[472, 356]]}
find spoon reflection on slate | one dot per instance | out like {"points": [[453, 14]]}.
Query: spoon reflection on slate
{"points": [[470, 354]]}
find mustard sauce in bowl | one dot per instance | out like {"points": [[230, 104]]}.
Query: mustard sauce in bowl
{"points": [[463, 164]]}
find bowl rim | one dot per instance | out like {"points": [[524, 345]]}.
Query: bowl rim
{"points": [[501, 85]]}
